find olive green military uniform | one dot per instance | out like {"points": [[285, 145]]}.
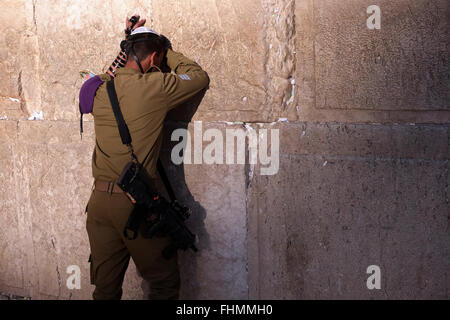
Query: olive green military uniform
{"points": [[145, 100]]}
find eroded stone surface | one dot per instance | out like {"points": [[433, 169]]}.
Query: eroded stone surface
{"points": [[54, 173], [346, 196], [226, 39], [402, 66], [19, 88], [302, 60], [85, 38], [348, 73], [216, 194], [342, 208], [11, 256], [56, 176], [227, 44]]}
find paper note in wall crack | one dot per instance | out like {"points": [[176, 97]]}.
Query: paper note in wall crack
{"points": [[86, 74]]}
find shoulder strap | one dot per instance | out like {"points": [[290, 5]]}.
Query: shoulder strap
{"points": [[123, 128], [126, 137]]}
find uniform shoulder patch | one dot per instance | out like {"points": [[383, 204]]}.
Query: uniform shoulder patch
{"points": [[184, 76]]}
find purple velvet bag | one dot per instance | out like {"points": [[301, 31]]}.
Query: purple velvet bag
{"points": [[87, 95]]}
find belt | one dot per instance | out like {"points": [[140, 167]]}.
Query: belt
{"points": [[107, 186]]}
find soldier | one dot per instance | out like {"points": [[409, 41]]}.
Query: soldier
{"points": [[145, 94]]}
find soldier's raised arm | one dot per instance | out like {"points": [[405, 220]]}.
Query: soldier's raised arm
{"points": [[189, 79]]}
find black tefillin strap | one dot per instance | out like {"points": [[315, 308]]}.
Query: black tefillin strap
{"points": [[126, 137], [119, 62], [121, 58], [137, 60], [81, 120]]}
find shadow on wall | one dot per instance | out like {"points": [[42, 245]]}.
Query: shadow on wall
{"points": [[179, 118]]}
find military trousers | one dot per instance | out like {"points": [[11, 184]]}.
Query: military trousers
{"points": [[107, 214]]}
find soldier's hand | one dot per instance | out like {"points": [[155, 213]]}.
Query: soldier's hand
{"points": [[130, 197], [138, 24]]}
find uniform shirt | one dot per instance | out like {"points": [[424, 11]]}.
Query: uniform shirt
{"points": [[144, 101]]}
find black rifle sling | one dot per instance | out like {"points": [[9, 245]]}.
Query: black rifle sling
{"points": [[123, 128], [165, 180], [126, 137]]}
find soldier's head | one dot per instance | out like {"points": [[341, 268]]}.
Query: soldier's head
{"points": [[144, 48]]}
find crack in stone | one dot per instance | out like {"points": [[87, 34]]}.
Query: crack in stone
{"points": [[20, 92], [248, 174], [59, 278], [34, 15], [52, 239], [53, 243], [279, 58]]}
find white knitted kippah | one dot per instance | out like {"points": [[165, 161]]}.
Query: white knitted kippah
{"points": [[144, 30]]}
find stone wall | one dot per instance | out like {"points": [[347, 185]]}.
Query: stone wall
{"points": [[364, 125]]}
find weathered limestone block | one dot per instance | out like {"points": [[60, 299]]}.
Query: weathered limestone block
{"points": [[51, 166], [280, 63], [74, 36], [227, 44], [336, 208], [226, 39], [53, 169], [360, 140], [217, 198], [11, 253], [216, 194], [56, 181], [402, 66], [19, 88], [346, 72]]}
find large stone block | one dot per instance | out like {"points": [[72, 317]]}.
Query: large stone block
{"points": [[402, 66], [346, 72], [55, 182], [53, 170], [19, 88], [73, 36], [227, 44], [362, 140], [226, 38], [280, 64], [51, 166], [11, 251], [217, 196], [333, 210]]}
